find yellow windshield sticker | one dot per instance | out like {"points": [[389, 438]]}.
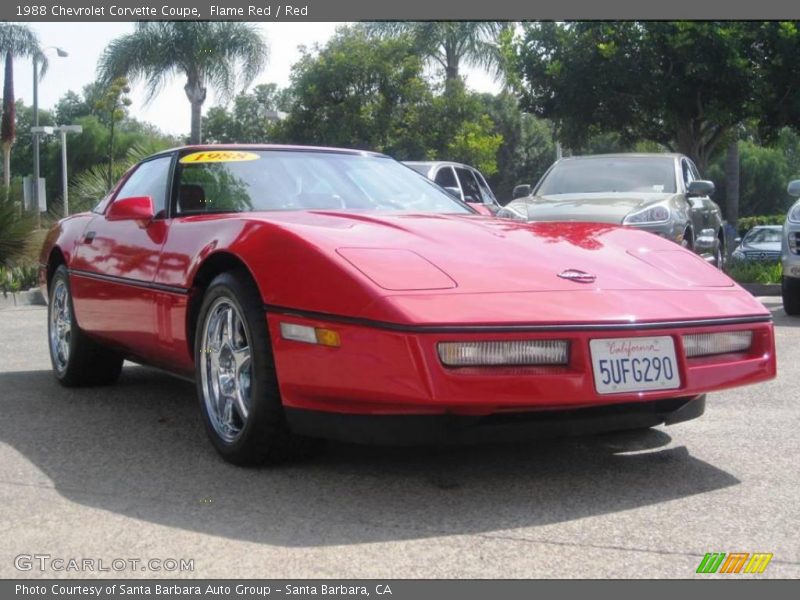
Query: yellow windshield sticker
{"points": [[212, 156]]}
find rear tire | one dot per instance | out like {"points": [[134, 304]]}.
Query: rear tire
{"points": [[719, 255], [790, 290], [76, 359], [237, 384]]}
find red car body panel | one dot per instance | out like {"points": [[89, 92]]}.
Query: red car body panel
{"points": [[393, 285]]}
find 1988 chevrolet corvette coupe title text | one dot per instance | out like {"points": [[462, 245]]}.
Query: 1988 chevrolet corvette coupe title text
{"points": [[324, 293]]}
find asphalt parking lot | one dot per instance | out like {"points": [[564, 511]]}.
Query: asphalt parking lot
{"points": [[126, 472]]}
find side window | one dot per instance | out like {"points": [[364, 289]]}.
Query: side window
{"points": [[688, 177], [694, 171], [486, 191], [149, 179], [446, 178], [472, 192]]}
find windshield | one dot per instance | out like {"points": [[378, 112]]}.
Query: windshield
{"points": [[609, 175], [763, 236], [266, 180]]}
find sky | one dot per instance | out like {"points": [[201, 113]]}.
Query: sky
{"points": [[169, 110]]}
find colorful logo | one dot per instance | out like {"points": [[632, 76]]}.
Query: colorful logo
{"points": [[734, 562]]}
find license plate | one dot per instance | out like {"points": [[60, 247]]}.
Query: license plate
{"points": [[634, 364]]}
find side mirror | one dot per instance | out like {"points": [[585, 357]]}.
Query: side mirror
{"points": [[700, 187], [453, 191], [794, 188], [133, 208], [521, 191], [737, 240]]}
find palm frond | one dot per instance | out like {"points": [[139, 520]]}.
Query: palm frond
{"points": [[222, 54], [449, 43], [22, 41]]}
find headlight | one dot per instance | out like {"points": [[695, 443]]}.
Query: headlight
{"points": [[705, 344], [738, 254], [652, 214], [517, 352], [794, 213], [509, 213]]}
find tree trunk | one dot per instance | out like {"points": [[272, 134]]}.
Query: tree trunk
{"points": [[196, 93], [732, 183], [196, 136], [8, 129], [7, 166]]}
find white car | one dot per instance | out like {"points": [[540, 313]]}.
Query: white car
{"points": [[790, 254], [462, 181]]}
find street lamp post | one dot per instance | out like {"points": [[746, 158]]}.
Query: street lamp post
{"points": [[64, 130], [62, 54]]}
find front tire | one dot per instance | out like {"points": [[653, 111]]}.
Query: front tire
{"points": [[237, 385], [76, 359], [790, 290]]}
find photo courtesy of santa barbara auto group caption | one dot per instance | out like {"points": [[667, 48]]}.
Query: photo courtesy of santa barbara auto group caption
{"points": [[354, 299]]}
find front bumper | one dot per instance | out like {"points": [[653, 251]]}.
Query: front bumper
{"points": [[406, 430], [789, 260], [395, 371]]}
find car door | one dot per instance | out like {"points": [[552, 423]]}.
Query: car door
{"points": [[469, 185], [115, 263], [702, 210]]}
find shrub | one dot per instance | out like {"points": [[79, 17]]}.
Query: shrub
{"points": [[15, 229], [754, 272], [15, 279], [747, 223]]}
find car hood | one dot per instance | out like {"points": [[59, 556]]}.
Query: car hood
{"points": [[475, 269], [762, 247], [404, 252], [600, 208]]}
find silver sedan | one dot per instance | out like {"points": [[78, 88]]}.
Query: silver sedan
{"points": [[660, 193]]}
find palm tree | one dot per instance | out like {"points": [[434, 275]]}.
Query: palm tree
{"points": [[216, 54], [449, 43], [15, 40]]}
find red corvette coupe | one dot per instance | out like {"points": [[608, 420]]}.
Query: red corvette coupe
{"points": [[324, 293]]}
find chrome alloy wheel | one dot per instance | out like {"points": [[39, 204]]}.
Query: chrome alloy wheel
{"points": [[60, 326], [226, 369]]}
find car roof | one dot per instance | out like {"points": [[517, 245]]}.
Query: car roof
{"points": [[776, 227], [284, 147], [673, 155], [436, 163]]}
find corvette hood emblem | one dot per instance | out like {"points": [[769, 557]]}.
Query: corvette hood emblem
{"points": [[576, 275]]}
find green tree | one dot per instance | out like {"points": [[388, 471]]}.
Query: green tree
{"points": [[251, 119], [15, 40], [87, 150], [527, 149], [684, 85], [765, 171], [359, 92], [459, 128], [114, 105], [223, 55], [449, 44]]}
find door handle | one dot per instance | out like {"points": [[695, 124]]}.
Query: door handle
{"points": [[89, 237]]}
